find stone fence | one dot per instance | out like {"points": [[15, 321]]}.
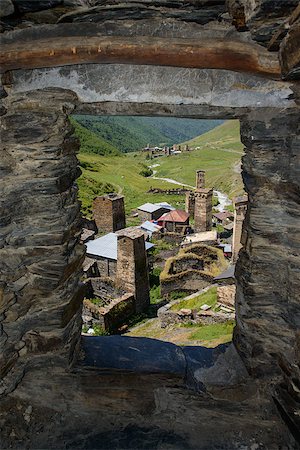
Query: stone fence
{"points": [[169, 317], [193, 269], [176, 191]]}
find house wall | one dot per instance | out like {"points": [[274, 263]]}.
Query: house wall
{"points": [[109, 213], [203, 210]]}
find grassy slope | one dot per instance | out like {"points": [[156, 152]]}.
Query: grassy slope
{"points": [[123, 174], [220, 152], [128, 133], [91, 142]]}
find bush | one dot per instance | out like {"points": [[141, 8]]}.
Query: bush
{"points": [[99, 331], [85, 328], [177, 294], [146, 172]]}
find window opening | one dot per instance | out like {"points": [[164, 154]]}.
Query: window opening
{"points": [[163, 205]]}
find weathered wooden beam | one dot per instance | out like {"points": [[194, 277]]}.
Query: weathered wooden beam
{"points": [[68, 50]]}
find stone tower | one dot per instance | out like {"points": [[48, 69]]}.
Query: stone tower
{"points": [[132, 268], [200, 179], [203, 209], [190, 203], [202, 199], [240, 208], [109, 212]]}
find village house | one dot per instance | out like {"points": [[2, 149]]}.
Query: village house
{"points": [[223, 218], [205, 237], [104, 251], [152, 229], [152, 211], [176, 221]]}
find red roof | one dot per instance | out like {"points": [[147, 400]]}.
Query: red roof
{"points": [[177, 215]]}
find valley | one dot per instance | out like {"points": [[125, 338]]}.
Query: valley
{"points": [[219, 154]]}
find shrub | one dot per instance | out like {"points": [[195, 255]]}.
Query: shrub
{"points": [[146, 172], [99, 330]]}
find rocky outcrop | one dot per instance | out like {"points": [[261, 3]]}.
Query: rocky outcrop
{"points": [[268, 270], [40, 259], [6, 8]]}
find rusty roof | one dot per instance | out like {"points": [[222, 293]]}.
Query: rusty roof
{"points": [[178, 215]]}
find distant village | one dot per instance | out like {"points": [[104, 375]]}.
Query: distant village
{"points": [[175, 149], [119, 259]]}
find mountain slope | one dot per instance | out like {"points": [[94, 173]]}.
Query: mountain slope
{"points": [[129, 133], [220, 155], [218, 152], [91, 142]]}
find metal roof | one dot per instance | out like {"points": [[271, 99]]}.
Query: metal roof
{"points": [[149, 207], [106, 247], [228, 273], [176, 215], [166, 205], [150, 226]]}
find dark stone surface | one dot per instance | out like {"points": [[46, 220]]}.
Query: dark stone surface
{"points": [[24, 6], [133, 354]]}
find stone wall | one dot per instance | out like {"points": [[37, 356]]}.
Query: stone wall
{"points": [[109, 212], [107, 267], [109, 317], [40, 255], [189, 281], [226, 295], [192, 269], [104, 288], [132, 267], [186, 316]]}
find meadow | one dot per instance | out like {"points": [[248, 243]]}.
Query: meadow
{"points": [[219, 154]]}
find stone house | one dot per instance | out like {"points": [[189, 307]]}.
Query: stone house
{"points": [[104, 251], [152, 211], [223, 217], [176, 221]]}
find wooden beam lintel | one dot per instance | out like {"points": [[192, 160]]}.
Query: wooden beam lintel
{"points": [[206, 54]]}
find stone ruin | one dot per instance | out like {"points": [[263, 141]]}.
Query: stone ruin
{"points": [[220, 59], [123, 290], [192, 269]]}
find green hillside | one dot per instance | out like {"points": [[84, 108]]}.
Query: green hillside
{"points": [[118, 174], [129, 133], [219, 154], [91, 142]]}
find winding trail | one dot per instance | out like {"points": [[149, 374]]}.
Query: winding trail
{"points": [[223, 198]]}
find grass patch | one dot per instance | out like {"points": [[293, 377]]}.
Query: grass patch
{"points": [[161, 245], [214, 331], [99, 331], [209, 298], [97, 301], [177, 295]]}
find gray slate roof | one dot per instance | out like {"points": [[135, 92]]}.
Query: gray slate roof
{"points": [[106, 247]]}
